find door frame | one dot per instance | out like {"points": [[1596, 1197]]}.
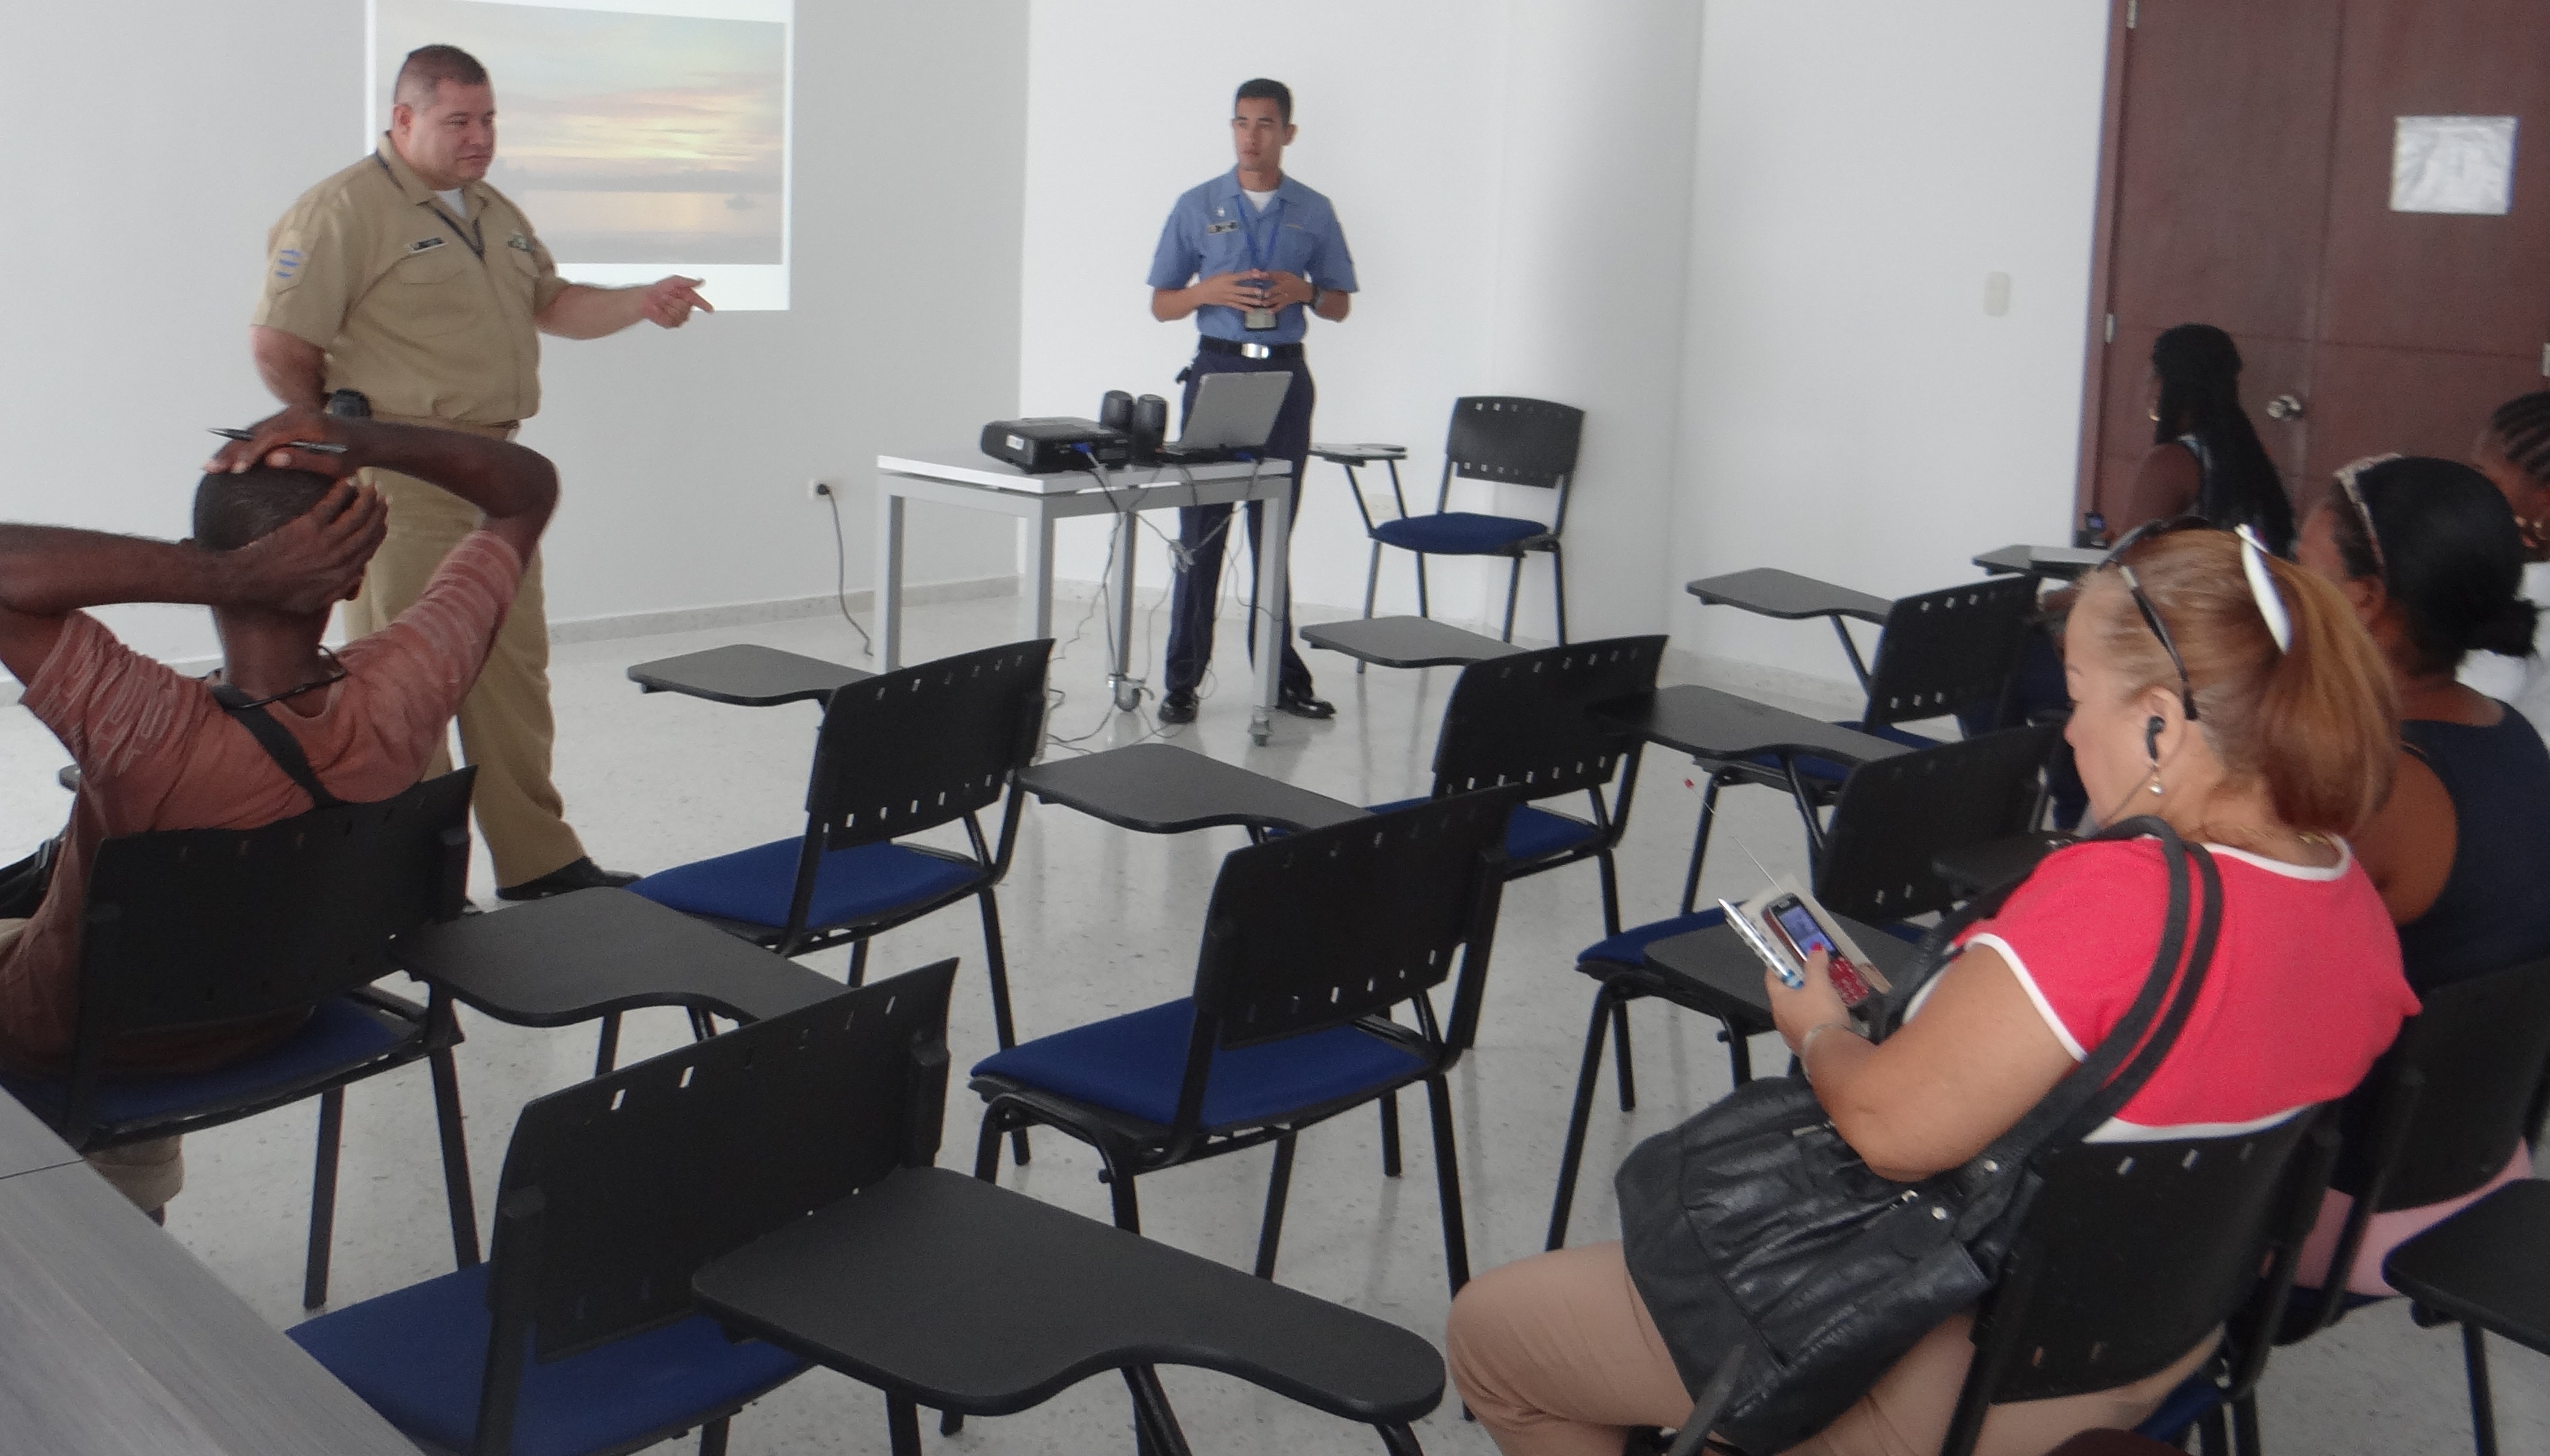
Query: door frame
{"points": [[2102, 238]]}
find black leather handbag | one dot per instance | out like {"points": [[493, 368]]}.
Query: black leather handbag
{"points": [[1785, 1277]]}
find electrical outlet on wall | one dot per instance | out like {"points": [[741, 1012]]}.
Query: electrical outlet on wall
{"points": [[817, 489]]}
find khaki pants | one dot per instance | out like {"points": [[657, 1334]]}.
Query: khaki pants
{"points": [[506, 728], [1557, 1356]]}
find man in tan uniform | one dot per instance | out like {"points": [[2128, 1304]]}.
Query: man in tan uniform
{"points": [[406, 277]]}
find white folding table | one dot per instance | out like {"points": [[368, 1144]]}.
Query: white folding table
{"points": [[977, 482]]}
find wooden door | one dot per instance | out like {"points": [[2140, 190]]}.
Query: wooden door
{"points": [[2247, 184]]}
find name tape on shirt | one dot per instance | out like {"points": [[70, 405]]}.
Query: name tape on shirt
{"points": [[426, 245], [1224, 226]]}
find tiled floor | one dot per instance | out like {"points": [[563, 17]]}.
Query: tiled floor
{"points": [[1101, 920]]}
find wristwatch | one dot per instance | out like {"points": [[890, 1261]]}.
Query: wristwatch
{"points": [[1316, 291]]}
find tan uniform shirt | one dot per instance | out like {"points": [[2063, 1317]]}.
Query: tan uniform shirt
{"points": [[427, 314]]}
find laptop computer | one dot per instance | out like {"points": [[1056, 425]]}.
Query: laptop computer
{"points": [[1233, 412]]}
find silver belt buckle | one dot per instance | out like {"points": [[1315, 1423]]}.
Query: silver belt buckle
{"points": [[1256, 351]]}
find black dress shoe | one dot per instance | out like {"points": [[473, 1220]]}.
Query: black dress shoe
{"points": [[1178, 708], [580, 874], [1303, 705]]}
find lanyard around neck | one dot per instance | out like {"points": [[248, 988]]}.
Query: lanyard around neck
{"points": [[473, 235], [1250, 217]]}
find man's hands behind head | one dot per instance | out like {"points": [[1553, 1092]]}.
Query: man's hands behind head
{"points": [[314, 560], [269, 439]]}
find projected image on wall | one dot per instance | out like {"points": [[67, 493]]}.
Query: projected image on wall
{"points": [[642, 137]]}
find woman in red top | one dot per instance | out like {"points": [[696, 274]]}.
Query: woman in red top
{"points": [[2225, 691]]}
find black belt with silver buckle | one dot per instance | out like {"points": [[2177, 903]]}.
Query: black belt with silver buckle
{"points": [[1212, 345]]}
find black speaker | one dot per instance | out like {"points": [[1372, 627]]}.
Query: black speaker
{"points": [[1150, 425], [1115, 410]]}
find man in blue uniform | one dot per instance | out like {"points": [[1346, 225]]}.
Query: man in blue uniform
{"points": [[1251, 254]]}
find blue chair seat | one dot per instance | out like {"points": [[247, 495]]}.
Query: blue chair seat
{"points": [[1531, 834], [341, 1035], [2182, 1407], [1133, 1064], [1824, 771], [1457, 533], [417, 1355], [862, 883]]}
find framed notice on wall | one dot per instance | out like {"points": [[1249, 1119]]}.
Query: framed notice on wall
{"points": [[642, 137]]}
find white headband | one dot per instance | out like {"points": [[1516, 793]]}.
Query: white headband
{"points": [[2262, 588]]}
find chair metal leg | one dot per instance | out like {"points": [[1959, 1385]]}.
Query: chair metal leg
{"points": [[2246, 1438], [1390, 1135], [2210, 1433], [902, 1426], [1399, 1440], [950, 1422], [1620, 1054], [702, 1026], [997, 963], [1740, 1052], [1571, 1156], [1120, 1192], [455, 1161], [1609, 875], [2482, 1408], [606, 1045], [987, 1147], [860, 961], [1423, 608], [712, 1437], [1513, 585], [1700, 841], [1447, 1181], [322, 1198], [1153, 1421], [1278, 1183], [1558, 590]]}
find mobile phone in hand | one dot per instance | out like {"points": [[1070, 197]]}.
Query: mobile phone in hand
{"points": [[1798, 929]]}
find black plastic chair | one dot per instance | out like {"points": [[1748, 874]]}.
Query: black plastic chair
{"points": [[1502, 438], [1310, 940], [201, 929], [579, 1336], [1940, 652], [2486, 1267], [2131, 1255], [1894, 818], [900, 753], [1527, 721]]}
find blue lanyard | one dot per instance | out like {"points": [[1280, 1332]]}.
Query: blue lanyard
{"points": [[1248, 226]]}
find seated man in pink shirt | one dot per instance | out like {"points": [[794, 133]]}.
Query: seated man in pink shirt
{"points": [[279, 538]]}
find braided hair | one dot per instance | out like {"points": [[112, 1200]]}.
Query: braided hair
{"points": [[2199, 395], [2520, 432]]}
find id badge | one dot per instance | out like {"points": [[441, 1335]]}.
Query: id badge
{"points": [[1257, 317]]}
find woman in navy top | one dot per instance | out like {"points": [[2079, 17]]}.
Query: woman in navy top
{"points": [[2429, 553]]}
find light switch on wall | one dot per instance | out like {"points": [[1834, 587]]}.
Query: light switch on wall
{"points": [[1996, 294]]}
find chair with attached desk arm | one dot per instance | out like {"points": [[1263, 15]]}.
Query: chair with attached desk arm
{"points": [[899, 753], [579, 1336], [1310, 941], [1894, 818], [1505, 439], [1939, 652], [2446, 1115], [192, 928]]}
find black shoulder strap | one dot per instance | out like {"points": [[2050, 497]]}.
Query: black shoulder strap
{"points": [[276, 740]]}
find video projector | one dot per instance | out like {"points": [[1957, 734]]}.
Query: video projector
{"points": [[1045, 445]]}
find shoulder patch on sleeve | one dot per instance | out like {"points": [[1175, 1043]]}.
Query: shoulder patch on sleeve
{"points": [[287, 265]]}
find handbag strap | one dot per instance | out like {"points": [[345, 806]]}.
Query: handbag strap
{"points": [[276, 740]]}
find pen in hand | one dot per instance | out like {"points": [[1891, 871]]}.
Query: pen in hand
{"points": [[313, 447]]}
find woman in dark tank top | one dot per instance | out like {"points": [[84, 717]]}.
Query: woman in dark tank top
{"points": [[2430, 554], [2206, 457]]}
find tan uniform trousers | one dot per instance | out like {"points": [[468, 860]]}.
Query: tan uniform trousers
{"points": [[505, 726]]}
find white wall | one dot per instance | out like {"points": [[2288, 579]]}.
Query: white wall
{"points": [[1849, 410], [157, 140], [1514, 179]]}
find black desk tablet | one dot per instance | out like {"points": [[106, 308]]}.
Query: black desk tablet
{"points": [[2057, 563], [1707, 724], [1160, 790], [960, 1294], [1768, 591], [592, 953], [1358, 454], [1723, 978], [747, 675], [1406, 641]]}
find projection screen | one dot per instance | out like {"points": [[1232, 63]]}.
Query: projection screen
{"points": [[642, 137]]}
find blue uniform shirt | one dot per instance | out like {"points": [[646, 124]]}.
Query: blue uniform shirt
{"points": [[1209, 230]]}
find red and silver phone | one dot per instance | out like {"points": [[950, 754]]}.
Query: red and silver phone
{"points": [[1796, 924]]}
